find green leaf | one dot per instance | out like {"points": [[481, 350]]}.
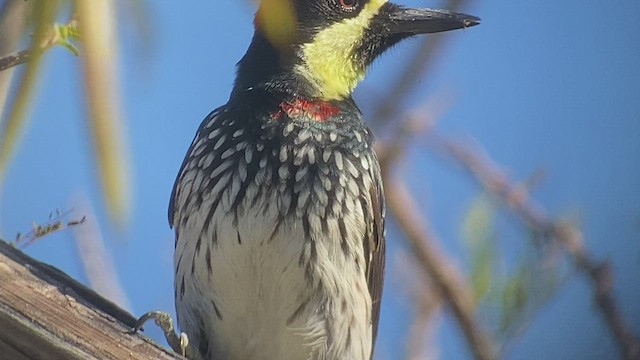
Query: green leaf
{"points": [[65, 33], [478, 234], [479, 221], [515, 297]]}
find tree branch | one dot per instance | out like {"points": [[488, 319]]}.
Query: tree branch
{"points": [[14, 59], [44, 314], [566, 234], [416, 230]]}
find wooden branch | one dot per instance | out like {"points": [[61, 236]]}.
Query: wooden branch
{"points": [[45, 314]]}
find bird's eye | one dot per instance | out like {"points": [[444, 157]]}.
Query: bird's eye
{"points": [[348, 5]]}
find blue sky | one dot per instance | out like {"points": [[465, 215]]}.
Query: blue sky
{"points": [[540, 84]]}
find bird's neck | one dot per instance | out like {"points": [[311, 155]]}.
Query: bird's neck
{"points": [[260, 65], [267, 72], [276, 70]]}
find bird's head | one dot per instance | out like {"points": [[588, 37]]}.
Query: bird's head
{"points": [[322, 48]]}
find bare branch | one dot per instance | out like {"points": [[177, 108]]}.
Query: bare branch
{"points": [[14, 59]]}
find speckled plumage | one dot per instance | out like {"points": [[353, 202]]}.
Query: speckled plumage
{"points": [[279, 219], [278, 208]]}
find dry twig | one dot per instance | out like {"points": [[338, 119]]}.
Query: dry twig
{"points": [[38, 231]]}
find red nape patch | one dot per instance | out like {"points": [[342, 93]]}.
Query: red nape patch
{"points": [[317, 110]]}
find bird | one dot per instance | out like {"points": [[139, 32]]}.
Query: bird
{"points": [[278, 208]]}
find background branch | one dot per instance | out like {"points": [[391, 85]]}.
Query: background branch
{"points": [[445, 278], [13, 15], [568, 235]]}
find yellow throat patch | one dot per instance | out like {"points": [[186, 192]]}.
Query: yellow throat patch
{"points": [[329, 62]]}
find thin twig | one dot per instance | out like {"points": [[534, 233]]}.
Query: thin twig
{"points": [[569, 236], [14, 59], [38, 231], [58, 34]]}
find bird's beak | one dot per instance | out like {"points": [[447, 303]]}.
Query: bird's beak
{"points": [[408, 22]]}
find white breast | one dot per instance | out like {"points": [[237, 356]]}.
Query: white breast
{"points": [[283, 279], [269, 307]]}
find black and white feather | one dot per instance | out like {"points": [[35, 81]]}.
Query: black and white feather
{"points": [[279, 236]]}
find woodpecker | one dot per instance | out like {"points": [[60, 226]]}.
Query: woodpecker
{"points": [[278, 208]]}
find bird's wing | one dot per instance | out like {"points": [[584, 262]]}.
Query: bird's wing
{"points": [[376, 249], [214, 116]]}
